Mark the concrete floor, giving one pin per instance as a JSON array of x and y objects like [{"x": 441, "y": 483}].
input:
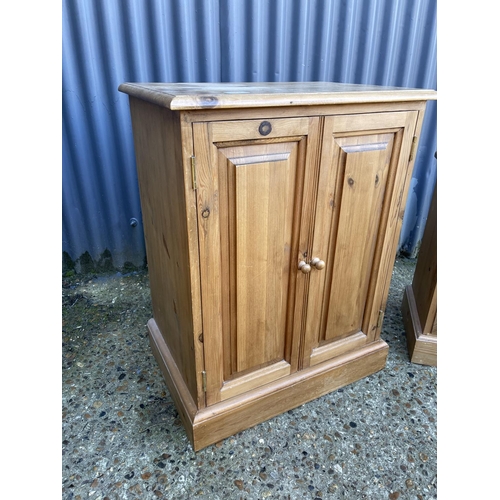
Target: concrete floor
[{"x": 122, "y": 438}]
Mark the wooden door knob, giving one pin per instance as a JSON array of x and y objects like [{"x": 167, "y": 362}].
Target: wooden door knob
[
  {"x": 318, "y": 263},
  {"x": 304, "y": 267}
]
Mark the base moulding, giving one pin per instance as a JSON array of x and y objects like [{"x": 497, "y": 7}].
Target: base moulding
[{"x": 209, "y": 425}]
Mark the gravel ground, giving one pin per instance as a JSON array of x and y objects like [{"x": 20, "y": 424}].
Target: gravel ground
[{"x": 122, "y": 437}]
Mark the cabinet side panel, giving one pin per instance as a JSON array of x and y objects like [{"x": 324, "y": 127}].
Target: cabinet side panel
[
  {"x": 425, "y": 277},
  {"x": 158, "y": 147}
]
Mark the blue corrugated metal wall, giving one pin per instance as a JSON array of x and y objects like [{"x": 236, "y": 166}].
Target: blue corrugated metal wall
[{"x": 105, "y": 43}]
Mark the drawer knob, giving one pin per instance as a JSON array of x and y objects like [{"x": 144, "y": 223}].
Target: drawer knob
[
  {"x": 318, "y": 263},
  {"x": 304, "y": 267},
  {"x": 265, "y": 128}
]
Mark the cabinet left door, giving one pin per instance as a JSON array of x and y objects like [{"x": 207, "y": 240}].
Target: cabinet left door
[{"x": 254, "y": 189}]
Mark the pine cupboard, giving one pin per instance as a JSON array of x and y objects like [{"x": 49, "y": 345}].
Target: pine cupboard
[
  {"x": 419, "y": 306},
  {"x": 271, "y": 215}
]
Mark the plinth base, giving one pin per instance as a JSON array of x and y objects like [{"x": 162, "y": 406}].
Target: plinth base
[
  {"x": 209, "y": 425},
  {"x": 422, "y": 347}
]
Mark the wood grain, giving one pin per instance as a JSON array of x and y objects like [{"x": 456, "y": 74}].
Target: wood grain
[
  {"x": 209, "y": 234},
  {"x": 207, "y": 426},
  {"x": 361, "y": 160},
  {"x": 264, "y": 189},
  {"x": 202, "y": 115},
  {"x": 419, "y": 307},
  {"x": 425, "y": 277},
  {"x": 246, "y": 130},
  {"x": 286, "y": 172},
  {"x": 253, "y": 407},
  {"x": 184, "y": 96},
  {"x": 251, "y": 191},
  {"x": 193, "y": 255},
  {"x": 422, "y": 348},
  {"x": 394, "y": 207},
  {"x": 157, "y": 139},
  {"x": 174, "y": 379}
]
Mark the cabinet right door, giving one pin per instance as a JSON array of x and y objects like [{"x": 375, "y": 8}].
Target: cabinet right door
[{"x": 362, "y": 185}]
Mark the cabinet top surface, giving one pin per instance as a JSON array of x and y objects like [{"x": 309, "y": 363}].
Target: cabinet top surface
[{"x": 188, "y": 96}]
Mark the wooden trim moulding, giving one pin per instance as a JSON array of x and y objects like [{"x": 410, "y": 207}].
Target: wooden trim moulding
[
  {"x": 421, "y": 347},
  {"x": 221, "y": 420}
]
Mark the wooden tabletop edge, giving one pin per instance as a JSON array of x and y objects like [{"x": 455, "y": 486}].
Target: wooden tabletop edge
[
  {"x": 141, "y": 92},
  {"x": 188, "y": 102},
  {"x": 193, "y": 101}
]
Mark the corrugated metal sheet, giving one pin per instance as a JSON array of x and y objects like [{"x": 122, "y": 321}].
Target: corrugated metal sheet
[{"x": 386, "y": 42}]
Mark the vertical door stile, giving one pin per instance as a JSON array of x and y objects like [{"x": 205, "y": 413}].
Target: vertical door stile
[
  {"x": 321, "y": 224},
  {"x": 210, "y": 265},
  {"x": 189, "y": 159},
  {"x": 226, "y": 220},
  {"x": 306, "y": 215}
]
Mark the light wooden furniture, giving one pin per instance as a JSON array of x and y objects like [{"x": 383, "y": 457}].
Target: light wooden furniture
[
  {"x": 419, "y": 308},
  {"x": 271, "y": 215}
]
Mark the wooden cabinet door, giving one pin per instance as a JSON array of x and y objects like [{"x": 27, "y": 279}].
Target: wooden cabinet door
[
  {"x": 254, "y": 185},
  {"x": 361, "y": 188}
]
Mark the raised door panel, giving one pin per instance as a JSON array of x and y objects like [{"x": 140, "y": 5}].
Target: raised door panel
[
  {"x": 251, "y": 208},
  {"x": 363, "y": 168}
]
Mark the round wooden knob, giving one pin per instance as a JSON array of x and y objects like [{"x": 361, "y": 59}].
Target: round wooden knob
[
  {"x": 318, "y": 263},
  {"x": 304, "y": 267}
]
